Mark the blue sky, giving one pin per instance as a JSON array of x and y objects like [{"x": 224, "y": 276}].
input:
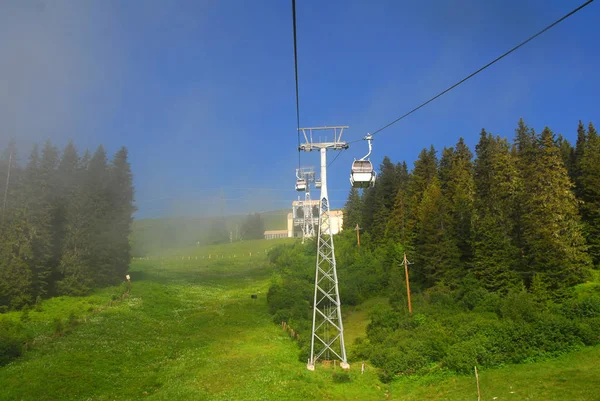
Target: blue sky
[{"x": 202, "y": 92}]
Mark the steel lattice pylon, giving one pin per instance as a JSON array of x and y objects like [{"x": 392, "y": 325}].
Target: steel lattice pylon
[
  {"x": 327, "y": 339},
  {"x": 308, "y": 226},
  {"x": 308, "y": 229},
  {"x": 328, "y": 330}
]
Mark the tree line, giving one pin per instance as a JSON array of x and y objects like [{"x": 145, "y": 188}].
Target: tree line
[
  {"x": 522, "y": 212},
  {"x": 65, "y": 222}
]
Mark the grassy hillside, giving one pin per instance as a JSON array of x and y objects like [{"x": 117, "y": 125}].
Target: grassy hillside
[
  {"x": 153, "y": 236},
  {"x": 190, "y": 331}
]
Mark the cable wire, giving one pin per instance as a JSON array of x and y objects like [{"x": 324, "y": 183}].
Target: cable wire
[
  {"x": 296, "y": 72},
  {"x": 336, "y": 156},
  {"x": 482, "y": 68}
]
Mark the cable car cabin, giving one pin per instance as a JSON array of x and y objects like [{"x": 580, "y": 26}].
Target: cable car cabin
[
  {"x": 362, "y": 175},
  {"x": 301, "y": 184},
  {"x": 318, "y": 183}
]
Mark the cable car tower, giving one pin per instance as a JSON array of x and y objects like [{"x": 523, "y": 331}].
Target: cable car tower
[
  {"x": 327, "y": 339},
  {"x": 306, "y": 176}
]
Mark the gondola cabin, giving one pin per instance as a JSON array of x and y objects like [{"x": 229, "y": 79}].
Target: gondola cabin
[
  {"x": 318, "y": 183},
  {"x": 301, "y": 184},
  {"x": 362, "y": 174}
]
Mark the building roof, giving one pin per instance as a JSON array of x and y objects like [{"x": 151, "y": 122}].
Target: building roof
[
  {"x": 271, "y": 232},
  {"x": 314, "y": 202},
  {"x": 332, "y": 213}
]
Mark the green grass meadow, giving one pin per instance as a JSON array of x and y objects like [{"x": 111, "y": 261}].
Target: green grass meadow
[{"x": 190, "y": 331}]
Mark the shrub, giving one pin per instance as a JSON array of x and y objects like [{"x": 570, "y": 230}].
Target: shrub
[
  {"x": 59, "y": 327},
  {"x": 304, "y": 354},
  {"x": 38, "y": 304},
  {"x": 25, "y": 315},
  {"x": 587, "y": 307},
  {"x": 11, "y": 344},
  {"x": 341, "y": 377},
  {"x": 462, "y": 357},
  {"x": 72, "y": 318},
  {"x": 519, "y": 306}
]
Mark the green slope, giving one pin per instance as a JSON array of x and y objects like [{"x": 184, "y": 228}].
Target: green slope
[
  {"x": 190, "y": 331},
  {"x": 153, "y": 236}
]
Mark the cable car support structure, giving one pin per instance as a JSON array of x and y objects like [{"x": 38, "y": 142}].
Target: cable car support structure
[{"x": 327, "y": 337}]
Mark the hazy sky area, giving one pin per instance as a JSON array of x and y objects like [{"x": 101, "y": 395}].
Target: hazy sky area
[{"x": 202, "y": 92}]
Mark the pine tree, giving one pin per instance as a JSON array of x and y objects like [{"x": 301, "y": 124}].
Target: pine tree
[
  {"x": 9, "y": 168},
  {"x": 436, "y": 254},
  {"x": 525, "y": 139},
  {"x": 555, "y": 246},
  {"x": 218, "y": 231},
  {"x": 50, "y": 189},
  {"x": 75, "y": 270},
  {"x": 369, "y": 206},
  {"x": 352, "y": 210},
  {"x": 445, "y": 167},
  {"x": 397, "y": 285},
  {"x": 121, "y": 210},
  {"x": 16, "y": 278},
  {"x": 253, "y": 227},
  {"x": 424, "y": 171},
  {"x": 496, "y": 179},
  {"x": 96, "y": 188},
  {"x": 580, "y": 146},
  {"x": 384, "y": 197},
  {"x": 589, "y": 190},
  {"x": 397, "y": 226},
  {"x": 525, "y": 152},
  {"x": 37, "y": 183},
  {"x": 458, "y": 188},
  {"x": 567, "y": 153}
]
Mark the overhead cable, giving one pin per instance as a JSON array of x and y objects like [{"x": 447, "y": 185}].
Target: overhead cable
[{"x": 481, "y": 69}]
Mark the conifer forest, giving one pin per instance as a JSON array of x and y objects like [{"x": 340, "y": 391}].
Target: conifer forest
[{"x": 65, "y": 224}]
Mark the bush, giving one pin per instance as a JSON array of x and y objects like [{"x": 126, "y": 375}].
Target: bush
[
  {"x": 11, "y": 344},
  {"x": 587, "y": 307},
  {"x": 464, "y": 356},
  {"x": 59, "y": 327},
  {"x": 38, "y": 304},
  {"x": 72, "y": 318},
  {"x": 304, "y": 354},
  {"x": 25, "y": 315},
  {"x": 406, "y": 359},
  {"x": 519, "y": 306},
  {"x": 341, "y": 377}
]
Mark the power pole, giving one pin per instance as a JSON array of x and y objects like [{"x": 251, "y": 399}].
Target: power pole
[
  {"x": 357, "y": 235},
  {"x": 6, "y": 187},
  {"x": 327, "y": 338},
  {"x": 407, "y": 284}
]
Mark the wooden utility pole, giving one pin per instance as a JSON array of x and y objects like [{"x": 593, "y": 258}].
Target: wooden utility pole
[
  {"x": 477, "y": 379},
  {"x": 357, "y": 234},
  {"x": 407, "y": 284}
]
